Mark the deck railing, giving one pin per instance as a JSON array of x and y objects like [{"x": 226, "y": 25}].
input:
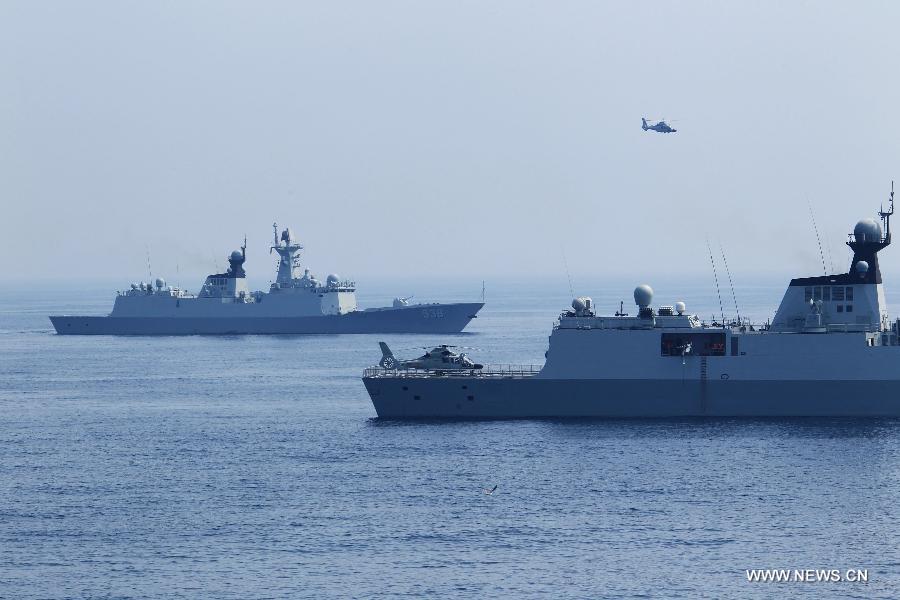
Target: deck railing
[{"x": 489, "y": 371}]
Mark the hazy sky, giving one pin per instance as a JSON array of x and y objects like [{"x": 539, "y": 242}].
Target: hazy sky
[{"x": 476, "y": 139}]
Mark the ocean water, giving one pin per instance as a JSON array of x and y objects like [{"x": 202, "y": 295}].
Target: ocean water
[{"x": 254, "y": 467}]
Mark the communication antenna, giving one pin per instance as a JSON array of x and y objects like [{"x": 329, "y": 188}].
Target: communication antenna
[
  {"x": 568, "y": 276},
  {"x": 886, "y": 216},
  {"x": 482, "y": 291},
  {"x": 731, "y": 283},
  {"x": 828, "y": 251},
  {"x": 818, "y": 239},
  {"x": 716, "y": 278},
  {"x": 149, "y": 270}
]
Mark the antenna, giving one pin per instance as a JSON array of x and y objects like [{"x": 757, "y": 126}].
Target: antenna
[
  {"x": 482, "y": 291},
  {"x": 886, "y": 216},
  {"x": 149, "y": 270},
  {"x": 569, "y": 277},
  {"x": 730, "y": 282},
  {"x": 716, "y": 277},
  {"x": 816, "y": 229},
  {"x": 828, "y": 251}
]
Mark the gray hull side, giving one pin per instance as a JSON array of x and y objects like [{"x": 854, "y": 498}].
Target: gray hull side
[
  {"x": 477, "y": 398},
  {"x": 410, "y": 319}
]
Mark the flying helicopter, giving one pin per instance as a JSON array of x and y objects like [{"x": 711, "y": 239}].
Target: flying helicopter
[
  {"x": 439, "y": 358},
  {"x": 660, "y": 127}
]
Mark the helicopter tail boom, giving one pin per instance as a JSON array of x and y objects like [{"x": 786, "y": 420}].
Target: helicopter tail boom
[{"x": 387, "y": 357}]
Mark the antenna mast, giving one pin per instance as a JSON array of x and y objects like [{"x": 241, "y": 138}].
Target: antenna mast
[
  {"x": 149, "y": 270},
  {"x": 569, "y": 277},
  {"x": 731, "y": 283},
  {"x": 886, "y": 216},
  {"x": 716, "y": 278},
  {"x": 816, "y": 229}
]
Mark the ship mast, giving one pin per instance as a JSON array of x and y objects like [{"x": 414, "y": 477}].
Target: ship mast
[
  {"x": 289, "y": 251},
  {"x": 886, "y": 216}
]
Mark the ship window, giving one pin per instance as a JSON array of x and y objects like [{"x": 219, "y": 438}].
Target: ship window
[
  {"x": 849, "y": 308},
  {"x": 840, "y": 308},
  {"x": 837, "y": 294},
  {"x": 693, "y": 344},
  {"x": 850, "y": 293},
  {"x": 817, "y": 293},
  {"x": 826, "y": 293},
  {"x": 807, "y": 294}
]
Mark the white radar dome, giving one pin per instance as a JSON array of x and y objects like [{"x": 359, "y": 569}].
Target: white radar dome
[
  {"x": 643, "y": 295},
  {"x": 862, "y": 267},
  {"x": 867, "y": 230},
  {"x": 332, "y": 279},
  {"x": 578, "y": 304},
  {"x": 160, "y": 283},
  {"x": 680, "y": 307},
  {"x": 134, "y": 286}
]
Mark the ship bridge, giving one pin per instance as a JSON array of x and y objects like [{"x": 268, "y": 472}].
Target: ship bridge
[{"x": 851, "y": 301}]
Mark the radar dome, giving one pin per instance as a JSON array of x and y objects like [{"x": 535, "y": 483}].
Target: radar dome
[
  {"x": 578, "y": 304},
  {"x": 160, "y": 283},
  {"x": 680, "y": 307},
  {"x": 643, "y": 295},
  {"x": 867, "y": 230},
  {"x": 237, "y": 255},
  {"x": 862, "y": 267},
  {"x": 332, "y": 279}
]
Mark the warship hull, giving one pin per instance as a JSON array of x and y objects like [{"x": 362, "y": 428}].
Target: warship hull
[
  {"x": 451, "y": 397},
  {"x": 410, "y": 319}
]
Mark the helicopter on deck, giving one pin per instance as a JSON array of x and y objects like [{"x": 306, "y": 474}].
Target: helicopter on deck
[
  {"x": 660, "y": 126},
  {"x": 439, "y": 358}
]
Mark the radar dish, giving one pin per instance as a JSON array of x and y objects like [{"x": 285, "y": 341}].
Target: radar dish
[
  {"x": 160, "y": 283},
  {"x": 237, "y": 255},
  {"x": 680, "y": 307},
  {"x": 332, "y": 279},
  {"x": 862, "y": 267},
  {"x": 867, "y": 230},
  {"x": 643, "y": 295}
]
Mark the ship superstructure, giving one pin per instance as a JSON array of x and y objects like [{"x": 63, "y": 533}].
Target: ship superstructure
[
  {"x": 293, "y": 304},
  {"x": 831, "y": 350}
]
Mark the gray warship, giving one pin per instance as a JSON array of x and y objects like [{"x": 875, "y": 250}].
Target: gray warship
[
  {"x": 830, "y": 351},
  {"x": 294, "y": 304}
]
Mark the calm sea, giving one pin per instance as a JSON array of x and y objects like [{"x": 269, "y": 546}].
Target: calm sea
[{"x": 254, "y": 467}]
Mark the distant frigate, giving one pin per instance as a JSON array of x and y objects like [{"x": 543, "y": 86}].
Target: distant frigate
[
  {"x": 830, "y": 351},
  {"x": 293, "y": 305}
]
